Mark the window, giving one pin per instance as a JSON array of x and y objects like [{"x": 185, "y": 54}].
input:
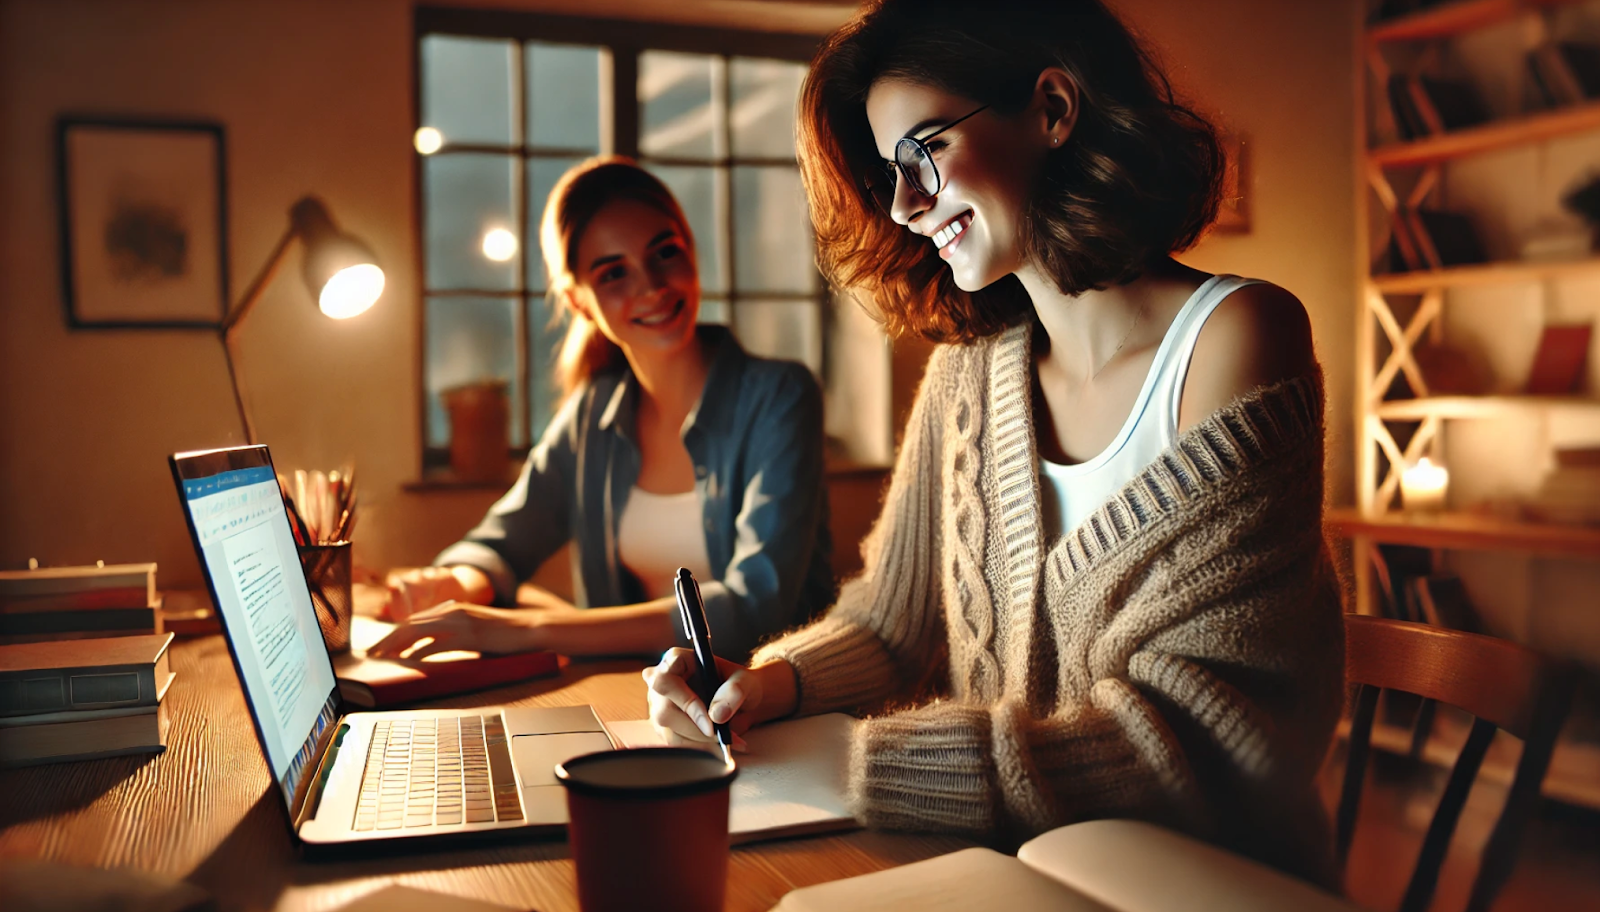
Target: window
[{"x": 508, "y": 101}]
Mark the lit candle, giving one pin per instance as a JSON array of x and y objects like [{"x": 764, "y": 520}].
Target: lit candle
[{"x": 1423, "y": 485}]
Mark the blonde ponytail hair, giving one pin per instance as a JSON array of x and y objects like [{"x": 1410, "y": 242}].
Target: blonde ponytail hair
[{"x": 574, "y": 200}]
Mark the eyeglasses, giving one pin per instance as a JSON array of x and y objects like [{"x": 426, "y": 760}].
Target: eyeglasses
[{"x": 913, "y": 159}]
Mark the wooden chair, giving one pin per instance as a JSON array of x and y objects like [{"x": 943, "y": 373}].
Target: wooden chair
[{"x": 1503, "y": 685}]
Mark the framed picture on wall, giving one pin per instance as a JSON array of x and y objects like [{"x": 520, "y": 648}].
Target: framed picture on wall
[{"x": 144, "y": 227}]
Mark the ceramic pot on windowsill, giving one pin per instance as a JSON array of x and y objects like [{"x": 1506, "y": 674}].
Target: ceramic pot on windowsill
[{"x": 480, "y": 445}]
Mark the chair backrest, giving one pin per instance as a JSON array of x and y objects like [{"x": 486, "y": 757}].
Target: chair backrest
[{"x": 1503, "y": 685}]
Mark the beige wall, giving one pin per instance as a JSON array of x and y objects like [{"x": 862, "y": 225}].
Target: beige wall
[{"x": 316, "y": 97}]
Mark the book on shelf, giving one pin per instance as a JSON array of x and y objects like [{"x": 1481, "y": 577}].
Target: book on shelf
[
  {"x": 73, "y": 675},
  {"x": 1408, "y": 121},
  {"x": 1561, "y": 361},
  {"x": 58, "y": 737},
  {"x": 1564, "y": 73},
  {"x": 78, "y": 588}
]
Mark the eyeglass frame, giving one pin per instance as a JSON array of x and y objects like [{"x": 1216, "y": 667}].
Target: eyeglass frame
[{"x": 920, "y": 145}]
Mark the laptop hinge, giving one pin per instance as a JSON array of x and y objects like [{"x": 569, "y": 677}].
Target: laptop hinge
[{"x": 308, "y": 794}]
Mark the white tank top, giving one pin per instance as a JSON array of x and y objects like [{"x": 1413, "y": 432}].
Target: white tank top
[
  {"x": 1072, "y": 492},
  {"x": 659, "y": 533}
]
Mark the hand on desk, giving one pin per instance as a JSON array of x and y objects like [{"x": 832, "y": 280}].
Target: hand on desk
[
  {"x": 416, "y": 589},
  {"x": 748, "y": 696},
  {"x": 459, "y": 625}
]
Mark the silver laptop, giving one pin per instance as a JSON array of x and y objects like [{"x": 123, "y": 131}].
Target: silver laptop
[{"x": 360, "y": 776}]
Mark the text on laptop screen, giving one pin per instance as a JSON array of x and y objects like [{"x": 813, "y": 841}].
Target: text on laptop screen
[{"x": 261, "y": 591}]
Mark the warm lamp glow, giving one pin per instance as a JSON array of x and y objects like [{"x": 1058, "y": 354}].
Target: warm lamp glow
[
  {"x": 351, "y": 291},
  {"x": 499, "y": 244},
  {"x": 428, "y": 140}
]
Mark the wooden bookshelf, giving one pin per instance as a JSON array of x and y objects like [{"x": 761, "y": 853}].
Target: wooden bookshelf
[
  {"x": 1474, "y": 406},
  {"x": 1573, "y": 776},
  {"x": 1497, "y": 134},
  {"x": 1483, "y": 274},
  {"x": 1467, "y": 532},
  {"x": 1448, "y": 19}
]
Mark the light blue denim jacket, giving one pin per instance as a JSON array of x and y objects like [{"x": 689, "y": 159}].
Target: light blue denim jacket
[{"x": 756, "y": 442}]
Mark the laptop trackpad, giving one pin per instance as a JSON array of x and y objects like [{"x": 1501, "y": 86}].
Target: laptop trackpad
[
  {"x": 536, "y": 756},
  {"x": 550, "y": 720}
]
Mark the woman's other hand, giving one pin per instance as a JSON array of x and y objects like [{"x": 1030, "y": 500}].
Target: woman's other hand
[
  {"x": 747, "y": 697},
  {"x": 457, "y": 625},
  {"x": 417, "y": 589}
]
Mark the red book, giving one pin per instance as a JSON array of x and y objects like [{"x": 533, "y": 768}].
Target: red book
[{"x": 380, "y": 684}]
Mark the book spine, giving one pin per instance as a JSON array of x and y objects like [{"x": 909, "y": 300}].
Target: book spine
[
  {"x": 88, "y": 600},
  {"x": 122, "y": 620},
  {"x": 24, "y": 693}
]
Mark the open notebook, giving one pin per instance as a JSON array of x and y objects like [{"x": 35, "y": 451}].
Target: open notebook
[
  {"x": 791, "y": 782},
  {"x": 1096, "y": 866}
]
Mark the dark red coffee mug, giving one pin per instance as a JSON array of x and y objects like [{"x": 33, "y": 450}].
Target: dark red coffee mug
[{"x": 649, "y": 828}]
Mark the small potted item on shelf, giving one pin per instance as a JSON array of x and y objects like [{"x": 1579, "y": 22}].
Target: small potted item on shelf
[{"x": 1423, "y": 487}]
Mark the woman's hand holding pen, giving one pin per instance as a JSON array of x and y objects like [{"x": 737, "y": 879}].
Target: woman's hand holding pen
[{"x": 748, "y": 696}]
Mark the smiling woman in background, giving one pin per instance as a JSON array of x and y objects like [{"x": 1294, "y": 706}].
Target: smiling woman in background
[
  {"x": 673, "y": 448},
  {"x": 1098, "y": 587}
]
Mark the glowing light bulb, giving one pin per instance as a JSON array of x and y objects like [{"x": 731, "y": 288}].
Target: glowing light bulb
[
  {"x": 351, "y": 291},
  {"x": 499, "y": 244},
  {"x": 428, "y": 140}
]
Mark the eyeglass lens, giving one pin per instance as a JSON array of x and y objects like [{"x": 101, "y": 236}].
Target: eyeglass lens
[{"x": 917, "y": 166}]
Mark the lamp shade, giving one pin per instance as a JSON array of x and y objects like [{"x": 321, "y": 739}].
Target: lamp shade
[{"x": 341, "y": 272}]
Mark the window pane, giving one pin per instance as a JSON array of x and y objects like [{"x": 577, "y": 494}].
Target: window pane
[
  {"x": 677, "y": 113},
  {"x": 542, "y": 175},
  {"x": 563, "y": 96},
  {"x": 466, "y": 89},
  {"x": 468, "y": 196},
  {"x": 698, "y": 191},
  {"x": 470, "y": 339},
  {"x": 544, "y": 341},
  {"x": 772, "y": 233},
  {"x": 762, "y": 97},
  {"x": 781, "y": 329},
  {"x": 713, "y": 310}
]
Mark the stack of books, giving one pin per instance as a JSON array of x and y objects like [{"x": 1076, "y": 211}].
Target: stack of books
[
  {"x": 60, "y": 603},
  {"x": 83, "y": 698}
]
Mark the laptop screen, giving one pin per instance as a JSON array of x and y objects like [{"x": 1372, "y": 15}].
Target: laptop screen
[{"x": 240, "y": 525}]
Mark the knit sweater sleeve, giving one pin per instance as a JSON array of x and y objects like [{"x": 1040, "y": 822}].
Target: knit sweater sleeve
[
  {"x": 883, "y": 639},
  {"x": 1198, "y": 663}
]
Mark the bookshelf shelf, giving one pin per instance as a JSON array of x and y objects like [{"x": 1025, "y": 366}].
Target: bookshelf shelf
[
  {"x": 1488, "y": 137},
  {"x": 1474, "y": 406},
  {"x": 1467, "y": 532},
  {"x": 1448, "y": 19},
  {"x": 1483, "y": 274}
]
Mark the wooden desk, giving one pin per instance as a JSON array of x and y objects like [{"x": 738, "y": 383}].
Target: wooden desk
[{"x": 205, "y": 811}]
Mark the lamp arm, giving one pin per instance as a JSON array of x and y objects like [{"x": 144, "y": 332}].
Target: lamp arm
[{"x": 230, "y": 326}]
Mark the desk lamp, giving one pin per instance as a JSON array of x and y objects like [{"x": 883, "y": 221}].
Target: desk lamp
[{"x": 340, "y": 270}]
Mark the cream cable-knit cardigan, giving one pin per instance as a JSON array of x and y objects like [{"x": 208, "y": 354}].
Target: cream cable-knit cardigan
[{"x": 1177, "y": 658}]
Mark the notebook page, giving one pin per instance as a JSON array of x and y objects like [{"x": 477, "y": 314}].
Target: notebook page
[{"x": 791, "y": 782}]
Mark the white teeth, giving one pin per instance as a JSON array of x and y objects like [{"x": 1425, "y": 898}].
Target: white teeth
[{"x": 948, "y": 233}]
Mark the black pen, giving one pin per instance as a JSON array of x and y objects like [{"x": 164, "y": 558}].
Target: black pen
[{"x": 692, "y": 612}]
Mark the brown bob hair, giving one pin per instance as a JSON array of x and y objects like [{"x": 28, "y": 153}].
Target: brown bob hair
[
  {"x": 574, "y": 201},
  {"x": 1139, "y": 177}
]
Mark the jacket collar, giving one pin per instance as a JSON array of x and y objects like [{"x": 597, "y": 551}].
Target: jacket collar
[{"x": 714, "y": 411}]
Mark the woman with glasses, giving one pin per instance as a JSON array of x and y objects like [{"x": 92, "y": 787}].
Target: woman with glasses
[
  {"x": 674, "y": 448},
  {"x": 1098, "y": 586}
]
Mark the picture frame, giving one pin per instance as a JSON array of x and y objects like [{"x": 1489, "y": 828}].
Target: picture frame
[{"x": 144, "y": 223}]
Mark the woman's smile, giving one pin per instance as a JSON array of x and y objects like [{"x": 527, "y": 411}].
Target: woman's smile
[{"x": 947, "y": 237}]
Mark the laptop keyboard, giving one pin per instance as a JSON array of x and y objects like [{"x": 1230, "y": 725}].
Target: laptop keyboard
[{"x": 446, "y": 770}]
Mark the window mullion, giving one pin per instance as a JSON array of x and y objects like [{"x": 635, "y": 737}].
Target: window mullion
[
  {"x": 722, "y": 150},
  {"x": 619, "y": 101}
]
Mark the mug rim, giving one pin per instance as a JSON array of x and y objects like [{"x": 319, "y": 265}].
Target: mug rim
[{"x": 722, "y": 780}]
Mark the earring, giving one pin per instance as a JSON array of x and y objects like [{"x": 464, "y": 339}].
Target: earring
[{"x": 1055, "y": 140}]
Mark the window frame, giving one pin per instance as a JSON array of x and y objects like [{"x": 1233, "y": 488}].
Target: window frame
[{"x": 621, "y": 41}]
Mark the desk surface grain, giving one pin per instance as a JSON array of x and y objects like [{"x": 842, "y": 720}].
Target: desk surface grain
[{"x": 206, "y": 811}]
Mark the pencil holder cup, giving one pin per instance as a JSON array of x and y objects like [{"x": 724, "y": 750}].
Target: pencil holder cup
[
  {"x": 327, "y": 568},
  {"x": 649, "y": 828}
]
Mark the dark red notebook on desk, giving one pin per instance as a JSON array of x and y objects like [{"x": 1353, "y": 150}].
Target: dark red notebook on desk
[{"x": 382, "y": 684}]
